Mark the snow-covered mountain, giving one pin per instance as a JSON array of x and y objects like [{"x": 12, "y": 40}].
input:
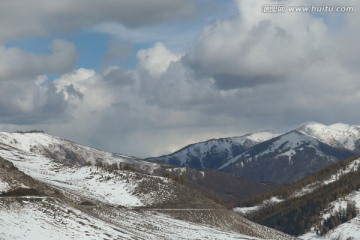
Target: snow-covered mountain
[
  {"x": 338, "y": 135},
  {"x": 281, "y": 155},
  {"x": 284, "y": 159},
  {"x": 210, "y": 154},
  {"x": 55, "y": 188},
  {"x": 216, "y": 152}
]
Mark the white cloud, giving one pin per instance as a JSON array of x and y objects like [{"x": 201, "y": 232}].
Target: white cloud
[
  {"x": 26, "y": 96},
  {"x": 256, "y": 48},
  {"x": 78, "y": 80},
  {"x": 31, "y": 102},
  {"x": 17, "y": 64},
  {"x": 157, "y": 59}
]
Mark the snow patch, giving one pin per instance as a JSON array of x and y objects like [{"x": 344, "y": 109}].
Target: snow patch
[
  {"x": 4, "y": 186},
  {"x": 353, "y": 166},
  {"x": 247, "y": 210}
]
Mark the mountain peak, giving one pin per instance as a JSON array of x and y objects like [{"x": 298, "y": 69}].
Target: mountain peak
[
  {"x": 279, "y": 155},
  {"x": 338, "y": 135}
]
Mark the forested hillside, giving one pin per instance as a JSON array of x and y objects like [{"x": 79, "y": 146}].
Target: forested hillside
[{"x": 303, "y": 202}]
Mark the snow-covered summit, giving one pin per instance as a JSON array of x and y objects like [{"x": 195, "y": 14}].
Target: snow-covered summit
[
  {"x": 336, "y": 135},
  {"x": 284, "y": 145},
  {"x": 214, "y": 153},
  {"x": 266, "y": 135},
  {"x": 297, "y": 151},
  {"x": 65, "y": 151}
]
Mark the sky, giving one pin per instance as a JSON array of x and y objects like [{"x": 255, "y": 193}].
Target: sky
[{"x": 145, "y": 78}]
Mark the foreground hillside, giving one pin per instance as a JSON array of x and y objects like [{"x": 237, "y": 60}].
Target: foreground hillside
[
  {"x": 53, "y": 187},
  {"x": 324, "y": 205},
  {"x": 281, "y": 156}
]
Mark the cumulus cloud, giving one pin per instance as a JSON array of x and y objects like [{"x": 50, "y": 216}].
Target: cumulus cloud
[
  {"x": 157, "y": 59},
  {"x": 256, "y": 48},
  {"x": 26, "y": 95},
  {"x": 17, "y": 64},
  {"x": 31, "y": 102}
]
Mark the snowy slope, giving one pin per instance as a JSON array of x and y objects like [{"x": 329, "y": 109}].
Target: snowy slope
[
  {"x": 51, "y": 219},
  {"x": 123, "y": 204},
  {"x": 337, "y": 135},
  {"x": 285, "y": 145},
  {"x": 4, "y": 186},
  {"x": 90, "y": 182},
  {"x": 284, "y": 159},
  {"x": 209, "y": 154},
  {"x": 76, "y": 172},
  {"x": 296, "y": 151},
  {"x": 263, "y": 136},
  {"x": 64, "y": 151},
  {"x": 352, "y": 166},
  {"x": 328, "y": 191},
  {"x": 216, "y": 152},
  {"x": 87, "y": 181},
  {"x": 347, "y": 230}
]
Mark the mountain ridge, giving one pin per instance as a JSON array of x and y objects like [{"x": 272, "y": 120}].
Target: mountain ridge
[{"x": 333, "y": 142}]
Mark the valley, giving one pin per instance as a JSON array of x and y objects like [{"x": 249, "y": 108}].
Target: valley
[{"x": 278, "y": 184}]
